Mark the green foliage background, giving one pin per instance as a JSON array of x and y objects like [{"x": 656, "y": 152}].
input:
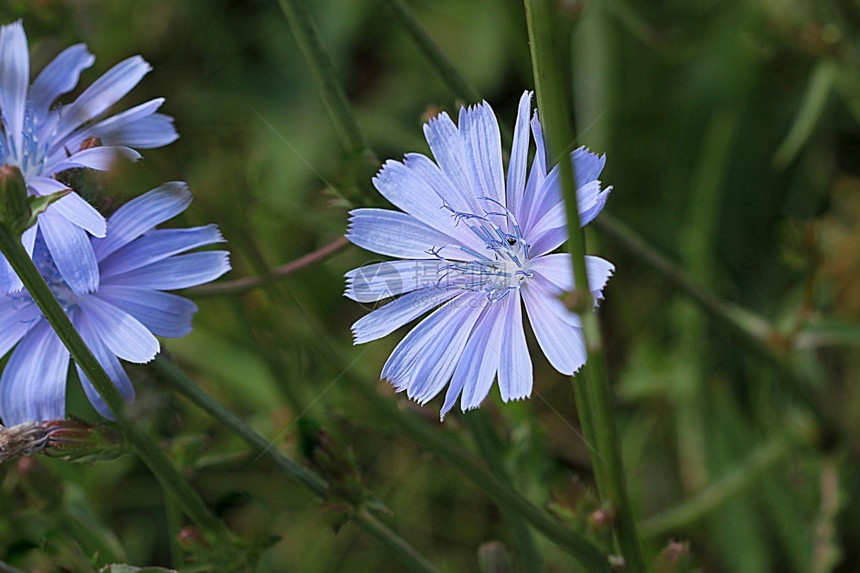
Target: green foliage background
[{"x": 731, "y": 135}]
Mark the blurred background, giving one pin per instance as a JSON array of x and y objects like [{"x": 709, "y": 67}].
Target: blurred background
[{"x": 732, "y": 143}]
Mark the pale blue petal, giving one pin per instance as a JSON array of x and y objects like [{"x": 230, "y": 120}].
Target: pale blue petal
[
  {"x": 558, "y": 331},
  {"x": 164, "y": 314},
  {"x": 536, "y": 177},
  {"x": 33, "y": 385},
  {"x": 393, "y": 233},
  {"x": 17, "y": 316},
  {"x": 181, "y": 271},
  {"x": 515, "y": 366},
  {"x": 519, "y": 154},
  {"x": 447, "y": 147},
  {"x": 99, "y": 158},
  {"x": 71, "y": 250},
  {"x": 412, "y": 194},
  {"x": 155, "y": 246},
  {"x": 78, "y": 212},
  {"x": 479, "y": 363},
  {"x": 551, "y": 230},
  {"x": 454, "y": 196},
  {"x": 391, "y": 278},
  {"x": 58, "y": 77},
  {"x": 139, "y": 127},
  {"x": 452, "y": 317},
  {"x": 482, "y": 144},
  {"x": 91, "y": 335},
  {"x": 45, "y": 185},
  {"x": 123, "y": 334},
  {"x": 391, "y": 316},
  {"x": 142, "y": 214},
  {"x": 103, "y": 93},
  {"x": 437, "y": 363},
  {"x": 14, "y": 79},
  {"x": 9, "y": 281},
  {"x": 547, "y": 198},
  {"x": 557, "y": 269}
]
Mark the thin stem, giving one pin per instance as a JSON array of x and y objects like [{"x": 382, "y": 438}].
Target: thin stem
[
  {"x": 717, "y": 493},
  {"x": 170, "y": 478},
  {"x": 555, "y": 115},
  {"x": 333, "y": 97},
  {"x": 243, "y": 285},
  {"x": 180, "y": 382},
  {"x": 428, "y": 47}
]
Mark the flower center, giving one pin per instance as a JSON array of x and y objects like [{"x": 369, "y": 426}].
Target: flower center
[{"x": 498, "y": 270}]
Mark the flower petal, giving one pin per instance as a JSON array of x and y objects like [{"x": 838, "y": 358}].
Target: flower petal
[
  {"x": 515, "y": 366},
  {"x": 123, "y": 334},
  {"x": 483, "y": 146},
  {"x": 437, "y": 363},
  {"x": 138, "y": 127},
  {"x": 78, "y": 212},
  {"x": 393, "y": 233},
  {"x": 450, "y": 321},
  {"x": 17, "y": 317},
  {"x": 71, "y": 250},
  {"x": 391, "y": 316},
  {"x": 558, "y": 331},
  {"x": 103, "y": 93},
  {"x": 412, "y": 194},
  {"x": 142, "y": 214},
  {"x": 14, "y": 79},
  {"x": 181, "y": 271},
  {"x": 155, "y": 246},
  {"x": 33, "y": 385},
  {"x": 447, "y": 147},
  {"x": 391, "y": 278},
  {"x": 162, "y": 313},
  {"x": 519, "y": 154},
  {"x": 91, "y": 335},
  {"x": 558, "y": 270},
  {"x": 480, "y": 361},
  {"x": 58, "y": 77},
  {"x": 98, "y": 158}
]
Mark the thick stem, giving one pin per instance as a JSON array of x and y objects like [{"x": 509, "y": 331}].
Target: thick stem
[{"x": 555, "y": 116}]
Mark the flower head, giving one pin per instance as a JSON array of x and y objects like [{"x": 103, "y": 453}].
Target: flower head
[
  {"x": 120, "y": 318},
  {"x": 42, "y": 140},
  {"x": 477, "y": 245}
]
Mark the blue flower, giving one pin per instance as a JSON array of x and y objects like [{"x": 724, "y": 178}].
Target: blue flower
[
  {"x": 474, "y": 244},
  {"x": 42, "y": 141},
  {"x": 120, "y": 318}
]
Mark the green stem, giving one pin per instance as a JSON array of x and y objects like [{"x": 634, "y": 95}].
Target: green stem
[
  {"x": 180, "y": 382},
  {"x": 449, "y": 74},
  {"x": 717, "y": 493},
  {"x": 170, "y": 478},
  {"x": 555, "y": 116},
  {"x": 488, "y": 448},
  {"x": 333, "y": 97}
]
